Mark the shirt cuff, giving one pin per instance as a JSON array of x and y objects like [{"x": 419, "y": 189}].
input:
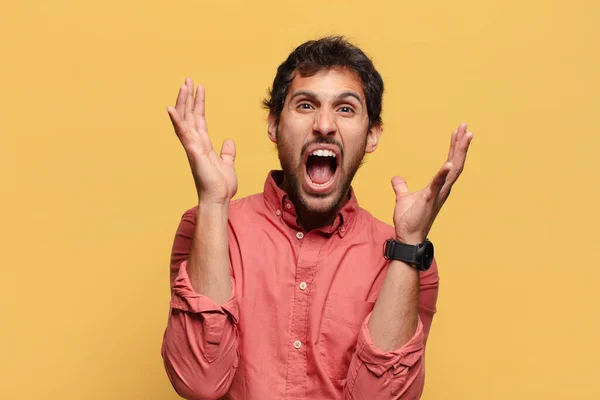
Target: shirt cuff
[
  {"x": 379, "y": 361},
  {"x": 186, "y": 299}
]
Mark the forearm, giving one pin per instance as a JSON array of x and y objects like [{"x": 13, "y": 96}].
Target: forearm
[
  {"x": 395, "y": 315},
  {"x": 208, "y": 262}
]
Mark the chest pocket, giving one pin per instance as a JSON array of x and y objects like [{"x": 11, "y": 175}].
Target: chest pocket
[{"x": 341, "y": 323}]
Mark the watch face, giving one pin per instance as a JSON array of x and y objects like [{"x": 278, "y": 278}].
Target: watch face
[{"x": 427, "y": 255}]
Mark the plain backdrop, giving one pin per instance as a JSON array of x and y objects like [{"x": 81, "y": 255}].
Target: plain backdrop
[{"x": 93, "y": 181}]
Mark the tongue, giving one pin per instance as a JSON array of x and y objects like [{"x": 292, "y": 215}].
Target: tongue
[{"x": 319, "y": 169}]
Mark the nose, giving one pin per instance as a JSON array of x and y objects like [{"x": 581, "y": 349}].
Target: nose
[{"x": 324, "y": 123}]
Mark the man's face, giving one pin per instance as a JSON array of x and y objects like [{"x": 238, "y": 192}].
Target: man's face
[{"x": 322, "y": 136}]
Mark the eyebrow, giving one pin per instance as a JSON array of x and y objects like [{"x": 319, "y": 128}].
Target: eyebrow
[
  {"x": 313, "y": 95},
  {"x": 349, "y": 93}
]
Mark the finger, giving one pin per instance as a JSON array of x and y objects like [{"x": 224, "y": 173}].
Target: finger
[
  {"x": 460, "y": 154},
  {"x": 459, "y": 151},
  {"x": 400, "y": 186},
  {"x": 178, "y": 124},
  {"x": 458, "y": 132},
  {"x": 452, "y": 144},
  {"x": 462, "y": 130},
  {"x": 459, "y": 160},
  {"x": 175, "y": 118},
  {"x": 199, "y": 109},
  {"x": 189, "y": 111},
  {"x": 438, "y": 181},
  {"x": 180, "y": 103},
  {"x": 228, "y": 152}
]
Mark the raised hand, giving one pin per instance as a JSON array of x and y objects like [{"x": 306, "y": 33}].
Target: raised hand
[
  {"x": 415, "y": 211},
  {"x": 214, "y": 175}
]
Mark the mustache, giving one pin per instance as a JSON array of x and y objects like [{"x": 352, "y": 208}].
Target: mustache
[{"x": 321, "y": 140}]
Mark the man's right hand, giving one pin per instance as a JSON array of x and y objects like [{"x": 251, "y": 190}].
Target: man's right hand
[{"x": 214, "y": 175}]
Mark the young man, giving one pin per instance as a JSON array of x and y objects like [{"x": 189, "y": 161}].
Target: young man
[{"x": 288, "y": 294}]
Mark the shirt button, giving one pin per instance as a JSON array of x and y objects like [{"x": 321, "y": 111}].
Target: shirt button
[
  {"x": 343, "y": 228},
  {"x": 299, "y": 235},
  {"x": 303, "y": 285},
  {"x": 288, "y": 205},
  {"x": 278, "y": 212},
  {"x": 297, "y": 344}
]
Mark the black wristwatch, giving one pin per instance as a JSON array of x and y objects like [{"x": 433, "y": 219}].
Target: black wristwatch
[{"x": 419, "y": 256}]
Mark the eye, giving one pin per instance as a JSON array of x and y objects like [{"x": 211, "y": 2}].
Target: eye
[
  {"x": 304, "y": 106},
  {"x": 346, "y": 110}
]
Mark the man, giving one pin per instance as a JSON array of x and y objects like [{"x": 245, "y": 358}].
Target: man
[{"x": 287, "y": 294}]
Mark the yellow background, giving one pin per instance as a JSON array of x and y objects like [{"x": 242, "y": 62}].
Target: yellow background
[{"x": 93, "y": 179}]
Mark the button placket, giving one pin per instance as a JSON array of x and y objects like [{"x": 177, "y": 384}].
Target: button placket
[{"x": 309, "y": 250}]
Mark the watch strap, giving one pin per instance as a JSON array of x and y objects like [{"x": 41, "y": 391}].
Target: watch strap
[{"x": 400, "y": 251}]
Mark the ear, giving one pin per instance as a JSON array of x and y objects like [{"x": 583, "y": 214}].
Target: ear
[
  {"x": 272, "y": 127},
  {"x": 373, "y": 136}
]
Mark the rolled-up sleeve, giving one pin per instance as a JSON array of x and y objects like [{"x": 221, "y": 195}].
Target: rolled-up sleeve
[
  {"x": 398, "y": 374},
  {"x": 375, "y": 374},
  {"x": 200, "y": 343}
]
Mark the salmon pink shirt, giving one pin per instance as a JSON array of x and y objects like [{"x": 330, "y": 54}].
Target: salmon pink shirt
[{"x": 296, "y": 325}]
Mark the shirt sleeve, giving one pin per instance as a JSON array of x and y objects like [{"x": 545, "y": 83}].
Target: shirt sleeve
[
  {"x": 398, "y": 374},
  {"x": 200, "y": 343}
]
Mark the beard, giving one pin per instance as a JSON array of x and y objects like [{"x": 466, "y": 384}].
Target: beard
[{"x": 293, "y": 174}]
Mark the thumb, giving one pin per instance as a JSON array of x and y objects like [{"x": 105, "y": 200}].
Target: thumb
[
  {"x": 228, "y": 152},
  {"x": 400, "y": 186}
]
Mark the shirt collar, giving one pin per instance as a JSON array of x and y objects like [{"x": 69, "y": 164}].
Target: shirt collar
[{"x": 279, "y": 201}]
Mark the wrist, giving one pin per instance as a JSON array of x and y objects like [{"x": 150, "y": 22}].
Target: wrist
[
  {"x": 419, "y": 255},
  {"x": 210, "y": 211},
  {"x": 213, "y": 201},
  {"x": 413, "y": 240}
]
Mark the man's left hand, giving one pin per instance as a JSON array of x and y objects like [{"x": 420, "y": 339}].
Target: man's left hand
[{"x": 415, "y": 211}]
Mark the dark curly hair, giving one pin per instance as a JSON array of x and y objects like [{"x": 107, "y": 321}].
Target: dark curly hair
[{"x": 325, "y": 53}]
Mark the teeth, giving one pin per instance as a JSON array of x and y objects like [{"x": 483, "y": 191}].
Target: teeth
[{"x": 323, "y": 153}]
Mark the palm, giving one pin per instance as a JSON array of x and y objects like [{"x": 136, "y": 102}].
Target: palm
[
  {"x": 408, "y": 216},
  {"x": 214, "y": 175},
  {"x": 415, "y": 212}
]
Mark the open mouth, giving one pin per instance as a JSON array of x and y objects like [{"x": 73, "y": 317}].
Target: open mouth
[{"x": 321, "y": 168}]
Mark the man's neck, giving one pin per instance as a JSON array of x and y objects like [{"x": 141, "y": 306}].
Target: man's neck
[{"x": 310, "y": 220}]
